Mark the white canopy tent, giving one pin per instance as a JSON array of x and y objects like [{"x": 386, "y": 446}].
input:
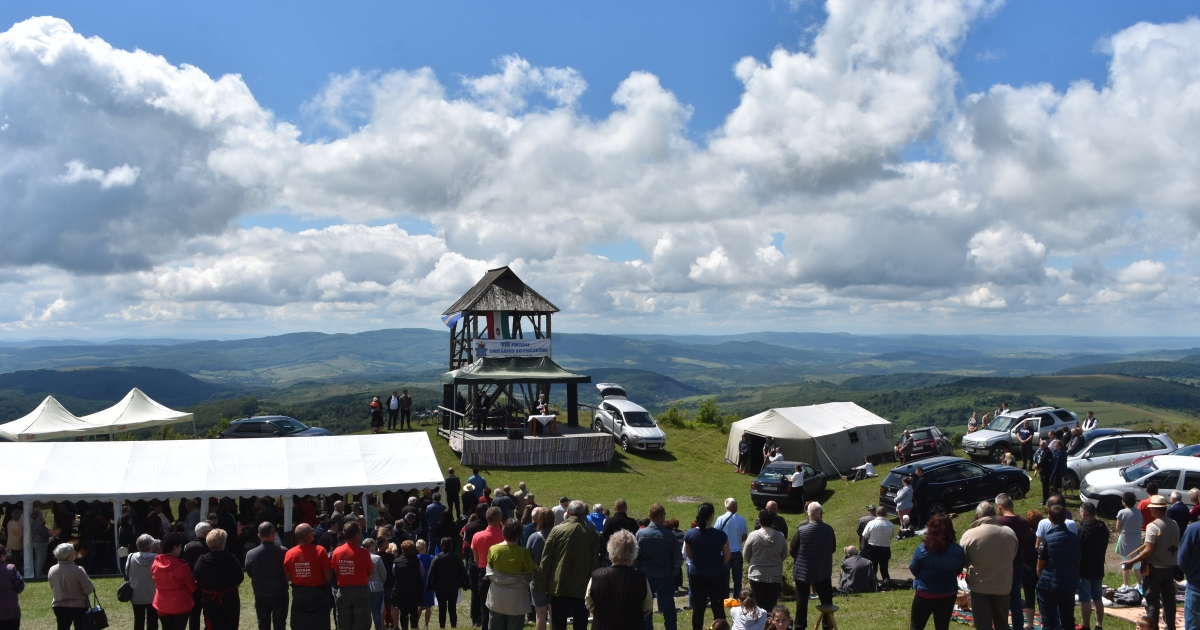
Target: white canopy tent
[
  {"x": 49, "y": 421},
  {"x": 136, "y": 411},
  {"x": 117, "y": 471},
  {"x": 831, "y": 437}
]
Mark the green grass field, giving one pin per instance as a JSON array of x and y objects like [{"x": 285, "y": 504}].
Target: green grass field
[{"x": 693, "y": 470}]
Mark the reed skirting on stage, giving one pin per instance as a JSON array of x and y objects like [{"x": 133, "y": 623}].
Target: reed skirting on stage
[{"x": 542, "y": 451}]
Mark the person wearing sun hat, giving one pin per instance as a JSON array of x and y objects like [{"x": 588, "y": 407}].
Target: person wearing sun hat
[{"x": 1159, "y": 552}]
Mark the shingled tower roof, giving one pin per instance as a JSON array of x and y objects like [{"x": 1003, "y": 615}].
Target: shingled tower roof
[{"x": 501, "y": 290}]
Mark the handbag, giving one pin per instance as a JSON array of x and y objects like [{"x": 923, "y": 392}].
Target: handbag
[
  {"x": 95, "y": 618},
  {"x": 125, "y": 592}
]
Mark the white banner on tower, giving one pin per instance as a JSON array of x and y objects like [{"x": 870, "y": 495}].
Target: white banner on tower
[{"x": 500, "y": 348}]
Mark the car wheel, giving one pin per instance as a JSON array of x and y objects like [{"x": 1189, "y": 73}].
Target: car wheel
[
  {"x": 599, "y": 425},
  {"x": 1016, "y": 492},
  {"x": 1109, "y": 506},
  {"x": 937, "y": 507},
  {"x": 998, "y": 452},
  {"x": 625, "y": 443},
  {"x": 1070, "y": 481}
]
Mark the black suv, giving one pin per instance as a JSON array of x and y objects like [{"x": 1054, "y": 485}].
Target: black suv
[
  {"x": 271, "y": 426},
  {"x": 956, "y": 484}
]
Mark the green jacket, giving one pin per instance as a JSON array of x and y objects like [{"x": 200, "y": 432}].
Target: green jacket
[{"x": 571, "y": 554}]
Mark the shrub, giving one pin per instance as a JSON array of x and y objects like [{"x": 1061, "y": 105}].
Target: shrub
[{"x": 676, "y": 417}]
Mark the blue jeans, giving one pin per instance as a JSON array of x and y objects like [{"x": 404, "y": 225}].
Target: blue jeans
[
  {"x": 1014, "y": 598},
  {"x": 1058, "y": 610},
  {"x": 1191, "y": 609},
  {"x": 663, "y": 589},
  {"x": 735, "y": 568},
  {"x": 377, "y": 609}
]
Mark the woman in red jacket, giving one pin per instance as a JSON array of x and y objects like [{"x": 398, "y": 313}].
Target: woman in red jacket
[{"x": 173, "y": 585}]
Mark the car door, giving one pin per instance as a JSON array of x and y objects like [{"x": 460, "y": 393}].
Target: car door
[
  {"x": 812, "y": 481},
  {"x": 977, "y": 484},
  {"x": 606, "y": 411},
  {"x": 1128, "y": 449},
  {"x": 1100, "y": 455},
  {"x": 949, "y": 485},
  {"x": 1167, "y": 480},
  {"x": 1191, "y": 479},
  {"x": 1046, "y": 424},
  {"x": 249, "y": 430}
]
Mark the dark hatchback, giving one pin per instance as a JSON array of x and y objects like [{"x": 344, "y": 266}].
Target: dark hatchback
[
  {"x": 772, "y": 484},
  {"x": 956, "y": 484},
  {"x": 271, "y": 426}
]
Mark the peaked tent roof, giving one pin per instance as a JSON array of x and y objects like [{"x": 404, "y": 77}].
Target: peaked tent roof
[
  {"x": 513, "y": 370},
  {"x": 501, "y": 290},
  {"x": 50, "y": 420},
  {"x": 818, "y": 434},
  {"x": 135, "y": 411}
]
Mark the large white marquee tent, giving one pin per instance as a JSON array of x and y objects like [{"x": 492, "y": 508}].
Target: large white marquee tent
[{"x": 119, "y": 471}]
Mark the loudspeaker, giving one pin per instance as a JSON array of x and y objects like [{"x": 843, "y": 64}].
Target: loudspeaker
[{"x": 516, "y": 433}]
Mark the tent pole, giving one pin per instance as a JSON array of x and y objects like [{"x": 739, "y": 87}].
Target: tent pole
[
  {"x": 27, "y": 536},
  {"x": 194, "y": 434},
  {"x": 287, "y": 512}
]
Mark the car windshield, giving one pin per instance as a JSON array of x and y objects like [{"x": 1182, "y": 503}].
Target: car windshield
[
  {"x": 1004, "y": 424},
  {"x": 776, "y": 473},
  {"x": 638, "y": 419},
  {"x": 1188, "y": 451},
  {"x": 1133, "y": 473},
  {"x": 288, "y": 425}
]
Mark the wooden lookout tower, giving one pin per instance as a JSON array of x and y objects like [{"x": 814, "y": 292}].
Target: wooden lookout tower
[{"x": 498, "y": 307}]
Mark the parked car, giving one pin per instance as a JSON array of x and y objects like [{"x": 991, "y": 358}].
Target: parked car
[
  {"x": 1114, "y": 450},
  {"x": 1103, "y": 488},
  {"x": 1001, "y": 435},
  {"x": 1089, "y": 436},
  {"x": 1183, "y": 451},
  {"x": 930, "y": 442},
  {"x": 773, "y": 484},
  {"x": 271, "y": 426},
  {"x": 957, "y": 484},
  {"x": 628, "y": 422}
]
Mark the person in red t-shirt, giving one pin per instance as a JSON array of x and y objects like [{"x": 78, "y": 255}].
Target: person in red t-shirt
[
  {"x": 353, "y": 566},
  {"x": 481, "y": 543},
  {"x": 1143, "y": 506},
  {"x": 307, "y": 567}
]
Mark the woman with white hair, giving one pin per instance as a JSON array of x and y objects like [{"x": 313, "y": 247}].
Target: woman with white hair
[
  {"x": 137, "y": 572},
  {"x": 619, "y": 595},
  {"x": 71, "y": 587}
]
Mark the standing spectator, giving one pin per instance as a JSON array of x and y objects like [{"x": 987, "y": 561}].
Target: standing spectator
[
  {"x": 858, "y": 573},
  {"x": 935, "y": 566},
  {"x": 1058, "y": 573},
  {"x": 1090, "y": 422},
  {"x": 1178, "y": 511},
  {"x": 510, "y": 572},
  {"x": 505, "y": 503},
  {"x": 191, "y": 553},
  {"x": 481, "y": 544},
  {"x": 310, "y": 572},
  {"x": 1143, "y": 506},
  {"x": 476, "y": 524},
  {"x": 988, "y": 550},
  {"x": 1160, "y": 551},
  {"x": 1025, "y": 541},
  {"x": 11, "y": 585},
  {"x": 353, "y": 567},
  {"x": 596, "y": 519},
  {"x": 478, "y": 482},
  {"x": 904, "y": 499},
  {"x": 812, "y": 557},
  {"x": 521, "y": 496},
  {"x": 1029, "y": 575},
  {"x": 376, "y": 582},
  {"x": 39, "y": 537},
  {"x": 973, "y": 422},
  {"x": 768, "y": 450},
  {"x": 707, "y": 550},
  {"x": 137, "y": 572},
  {"x": 408, "y": 590},
  {"x": 1093, "y": 543},
  {"x": 173, "y": 585},
  {"x": 863, "y": 521},
  {"x": 445, "y": 578},
  {"x": 1043, "y": 459},
  {"x": 780, "y": 524},
  {"x": 570, "y": 556},
  {"x": 70, "y": 586},
  {"x": 406, "y": 409},
  {"x": 878, "y": 534},
  {"x": 905, "y": 447},
  {"x": 1075, "y": 444},
  {"x": 619, "y": 595},
  {"x": 618, "y": 521},
  {"x": 426, "y": 561},
  {"x": 1060, "y": 465},
  {"x": 920, "y": 498},
  {"x": 376, "y": 415},
  {"x": 453, "y": 486},
  {"x": 659, "y": 558},
  {"x": 542, "y": 521},
  {"x": 743, "y": 454},
  {"x": 191, "y": 518},
  {"x": 764, "y": 551},
  {"x": 1189, "y": 562},
  {"x": 734, "y": 526},
  {"x": 1025, "y": 435},
  {"x": 560, "y": 511},
  {"x": 218, "y": 575},
  {"x": 264, "y": 565},
  {"x": 393, "y": 406},
  {"x": 16, "y": 538}
]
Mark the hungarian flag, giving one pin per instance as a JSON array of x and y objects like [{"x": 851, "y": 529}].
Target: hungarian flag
[{"x": 497, "y": 325}]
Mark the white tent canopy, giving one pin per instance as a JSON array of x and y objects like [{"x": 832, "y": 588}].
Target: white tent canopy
[
  {"x": 49, "y": 421},
  {"x": 831, "y": 437},
  {"x": 135, "y": 411}
]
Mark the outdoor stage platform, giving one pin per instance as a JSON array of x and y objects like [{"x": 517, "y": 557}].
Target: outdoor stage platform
[{"x": 572, "y": 445}]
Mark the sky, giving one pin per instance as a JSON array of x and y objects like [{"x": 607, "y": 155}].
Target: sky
[{"x": 930, "y": 166}]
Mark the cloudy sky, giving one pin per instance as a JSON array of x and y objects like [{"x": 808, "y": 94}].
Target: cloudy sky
[{"x": 931, "y": 166}]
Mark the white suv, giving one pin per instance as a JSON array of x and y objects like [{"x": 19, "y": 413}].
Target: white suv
[
  {"x": 628, "y": 422},
  {"x": 1001, "y": 435},
  {"x": 1114, "y": 450}
]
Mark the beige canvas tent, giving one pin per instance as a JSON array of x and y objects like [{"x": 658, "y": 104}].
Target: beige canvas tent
[{"x": 832, "y": 437}]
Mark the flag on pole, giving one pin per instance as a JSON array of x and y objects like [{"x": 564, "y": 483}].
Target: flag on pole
[
  {"x": 490, "y": 316},
  {"x": 451, "y": 319}
]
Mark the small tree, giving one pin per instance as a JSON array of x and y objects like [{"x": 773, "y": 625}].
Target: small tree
[
  {"x": 710, "y": 412},
  {"x": 676, "y": 417}
]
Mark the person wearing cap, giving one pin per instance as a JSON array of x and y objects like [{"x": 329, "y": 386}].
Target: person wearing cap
[
  {"x": 560, "y": 511},
  {"x": 1160, "y": 552}
]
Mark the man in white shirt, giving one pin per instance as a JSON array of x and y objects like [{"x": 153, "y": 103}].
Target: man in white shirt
[
  {"x": 878, "y": 536},
  {"x": 865, "y": 471},
  {"x": 736, "y": 530},
  {"x": 1090, "y": 422},
  {"x": 777, "y": 457},
  {"x": 393, "y": 410}
]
